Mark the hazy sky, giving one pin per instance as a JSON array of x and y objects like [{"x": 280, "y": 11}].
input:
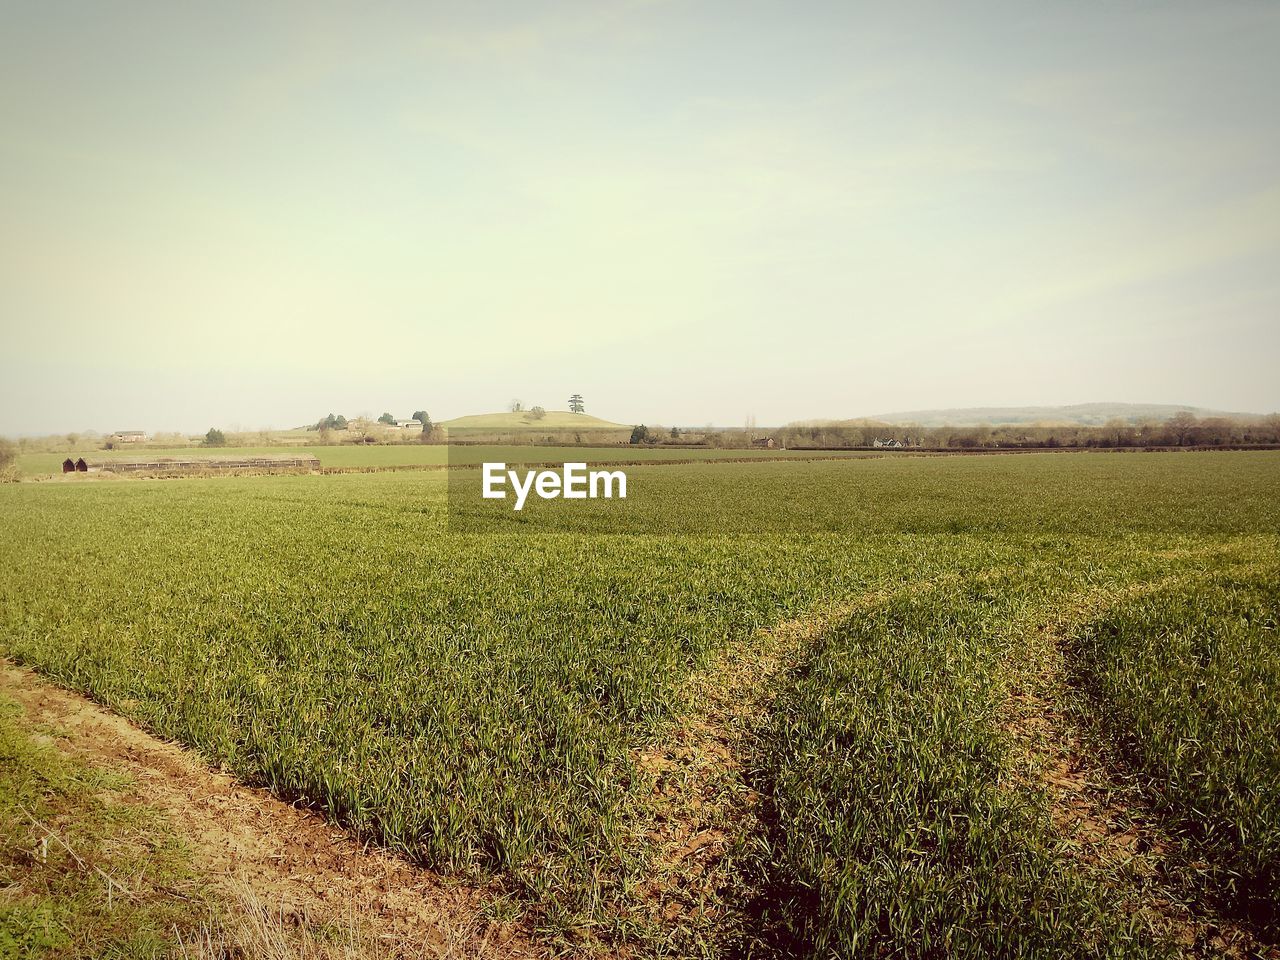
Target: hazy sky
[{"x": 686, "y": 211}]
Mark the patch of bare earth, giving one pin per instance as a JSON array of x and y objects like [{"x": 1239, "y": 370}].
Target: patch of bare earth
[
  {"x": 1103, "y": 823},
  {"x": 278, "y": 865}
]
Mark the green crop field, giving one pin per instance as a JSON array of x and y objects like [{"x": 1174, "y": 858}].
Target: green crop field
[{"x": 921, "y": 707}]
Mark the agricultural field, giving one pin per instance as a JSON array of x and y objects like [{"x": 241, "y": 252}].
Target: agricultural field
[
  {"x": 371, "y": 455},
  {"x": 412, "y": 455},
  {"x": 979, "y": 706}
]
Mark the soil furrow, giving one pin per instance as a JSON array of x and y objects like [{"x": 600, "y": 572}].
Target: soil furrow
[{"x": 263, "y": 851}]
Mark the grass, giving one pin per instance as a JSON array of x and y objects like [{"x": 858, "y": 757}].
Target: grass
[
  {"x": 1003, "y": 497},
  {"x": 1184, "y": 684},
  {"x": 84, "y": 870},
  {"x": 88, "y": 869},
  {"x": 478, "y": 702},
  {"x": 468, "y": 703},
  {"x": 894, "y": 830}
]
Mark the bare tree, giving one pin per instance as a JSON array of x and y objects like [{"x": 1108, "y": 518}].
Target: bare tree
[{"x": 1180, "y": 426}]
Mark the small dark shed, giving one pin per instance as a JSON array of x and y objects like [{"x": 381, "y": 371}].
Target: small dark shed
[
  {"x": 81, "y": 466},
  {"x": 68, "y": 465}
]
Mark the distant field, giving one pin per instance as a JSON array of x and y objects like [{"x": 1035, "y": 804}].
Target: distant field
[
  {"x": 39, "y": 464},
  {"x": 834, "y": 716},
  {"x": 410, "y": 455}
]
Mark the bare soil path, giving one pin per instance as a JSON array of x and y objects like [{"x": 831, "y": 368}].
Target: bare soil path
[{"x": 287, "y": 858}]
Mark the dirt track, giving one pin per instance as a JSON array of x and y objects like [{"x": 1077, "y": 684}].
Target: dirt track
[{"x": 289, "y": 858}]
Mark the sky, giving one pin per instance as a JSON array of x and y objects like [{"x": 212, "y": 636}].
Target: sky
[{"x": 688, "y": 212}]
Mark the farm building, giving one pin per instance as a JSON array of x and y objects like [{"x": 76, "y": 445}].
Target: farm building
[
  {"x": 890, "y": 442},
  {"x": 765, "y": 442},
  {"x": 129, "y": 436}
]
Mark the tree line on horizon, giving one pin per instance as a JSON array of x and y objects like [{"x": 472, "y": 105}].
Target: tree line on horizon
[{"x": 1183, "y": 429}]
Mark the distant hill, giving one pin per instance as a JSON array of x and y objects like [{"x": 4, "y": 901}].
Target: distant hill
[
  {"x": 554, "y": 426},
  {"x": 1078, "y": 414},
  {"x": 551, "y": 420}
]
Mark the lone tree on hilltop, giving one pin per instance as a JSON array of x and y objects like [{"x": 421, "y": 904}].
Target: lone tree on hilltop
[
  {"x": 387, "y": 419},
  {"x": 575, "y": 404},
  {"x": 421, "y": 416},
  {"x": 537, "y": 413},
  {"x": 214, "y": 438}
]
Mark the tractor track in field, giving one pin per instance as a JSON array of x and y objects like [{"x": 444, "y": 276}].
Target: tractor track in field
[
  {"x": 1104, "y": 824},
  {"x": 701, "y": 805},
  {"x": 307, "y": 870}
]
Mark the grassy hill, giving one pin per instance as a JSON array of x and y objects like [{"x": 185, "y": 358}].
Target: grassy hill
[
  {"x": 555, "y": 426},
  {"x": 1079, "y": 414},
  {"x": 551, "y": 420}
]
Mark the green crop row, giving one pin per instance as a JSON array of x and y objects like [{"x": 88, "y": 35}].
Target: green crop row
[
  {"x": 894, "y": 829},
  {"x": 1184, "y": 682}
]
